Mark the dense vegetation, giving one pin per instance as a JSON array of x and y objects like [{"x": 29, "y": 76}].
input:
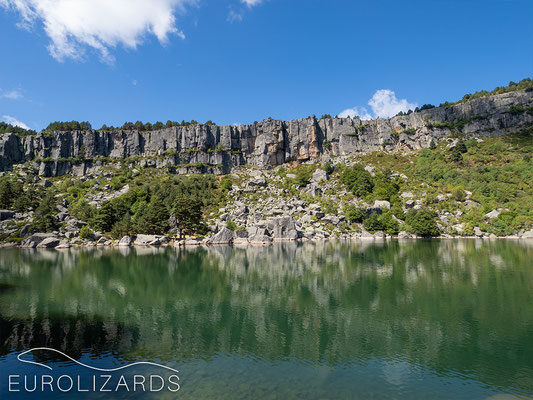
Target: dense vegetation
[
  {"x": 171, "y": 204},
  {"x": 17, "y": 130}
]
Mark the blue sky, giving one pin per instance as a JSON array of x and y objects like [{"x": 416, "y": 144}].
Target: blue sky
[{"x": 237, "y": 61}]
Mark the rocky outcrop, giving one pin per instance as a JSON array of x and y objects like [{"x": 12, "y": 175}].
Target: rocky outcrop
[
  {"x": 206, "y": 148},
  {"x": 283, "y": 229},
  {"x": 225, "y": 236}
]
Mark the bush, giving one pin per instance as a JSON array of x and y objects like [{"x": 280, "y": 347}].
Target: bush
[
  {"x": 304, "y": 174},
  {"x": 86, "y": 233},
  {"x": 226, "y": 183},
  {"x": 353, "y": 213},
  {"x": 384, "y": 222},
  {"x": 505, "y": 224},
  {"x": 373, "y": 223},
  {"x": 328, "y": 168},
  {"x": 458, "y": 150},
  {"x": 357, "y": 180},
  {"x": 43, "y": 218},
  {"x": 421, "y": 222},
  {"x": 232, "y": 226}
]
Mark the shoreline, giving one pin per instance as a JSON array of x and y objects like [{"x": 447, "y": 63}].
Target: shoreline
[{"x": 205, "y": 242}]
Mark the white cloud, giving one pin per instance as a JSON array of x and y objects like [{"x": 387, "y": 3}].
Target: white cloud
[
  {"x": 251, "y": 3},
  {"x": 11, "y": 95},
  {"x": 74, "y": 25},
  {"x": 13, "y": 121},
  {"x": 360, "y": 112},
  {"x": 384, "y": 104}
]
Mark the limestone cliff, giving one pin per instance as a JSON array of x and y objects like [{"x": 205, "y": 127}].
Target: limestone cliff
[{"x": 219, "y": 149}]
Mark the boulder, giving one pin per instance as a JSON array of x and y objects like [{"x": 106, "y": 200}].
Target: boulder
[
  {"x": 49, "y": 242},
  {"x": 382, "y": 204},
  {"x": 404, "y": 235},
  {"x": 379, "y": 235},
  {"x": 125, "y": 241},
  {"x": 35, "y": 239},
  {"x": 259, "y": 181},
  {"x": 478, "y": 232},
  {"x": 6, "y": 214},
  {"x": 527, "y": 235},
  {"x": 240, "y": 240},
  {"x": 283, "y": 229},
  {"x": 366, "y": 235},
  {"x": 155, "y": 242},
  {"x": 319, "y": 175},
  {"x": 64, "y": 244},
  {"x": 370, "y": 170},
  {"x": 260, "y": 239},
  {"x": 225, "y": 236},
  {"x": 410, "y": 204},
  {"x": 493, "y": 214},
  {"x": 144, "y": 240}
]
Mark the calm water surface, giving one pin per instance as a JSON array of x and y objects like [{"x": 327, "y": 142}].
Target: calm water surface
[{"x": 337, "y": 320}]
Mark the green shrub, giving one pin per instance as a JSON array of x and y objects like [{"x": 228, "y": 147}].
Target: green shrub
[
  {"x": 357, "y": 180},
  {"x": 456, "y": 152},
  {"x": 505, "y": 224},
  {"x": 304, "y": 174},
  {"x": 86, "y": 233},
  {"x": 384, "y": 222},
  {"x": 232, "y": 226},
  {"x": 328, "y": 167},
  {"x": 43, "y": 218},
  {"x": 353, "y": 213},
  {"x": 421, "y": 222}
]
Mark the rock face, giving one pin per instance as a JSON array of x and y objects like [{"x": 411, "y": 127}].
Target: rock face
[{"x": 205, "y": 148}]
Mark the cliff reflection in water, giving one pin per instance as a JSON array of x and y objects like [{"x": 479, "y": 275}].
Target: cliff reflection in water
[{"x": 449, "y": 305}]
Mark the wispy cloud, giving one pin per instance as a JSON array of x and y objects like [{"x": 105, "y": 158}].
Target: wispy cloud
[
  {"x": 11, "y": 94},
  {"x": 251, "y": 3},
  {"x": 15, "y": 122},
  {"x": 75, "y": 25},
  {"x": 384, "y": 104},
  {"x": 235, "y": 16}
]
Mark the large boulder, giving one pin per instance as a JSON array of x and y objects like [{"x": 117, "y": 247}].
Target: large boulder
[
  {"x": 145, "y": 240},
  {"x": 49, "y": 242},
  {"x": 225, "y": 236},
  {"x": 283, "y": 229},
  {"x": 260, "y": 239},
  {"x": 35, "y": 239},
  {"x": 125, "y": 241}
]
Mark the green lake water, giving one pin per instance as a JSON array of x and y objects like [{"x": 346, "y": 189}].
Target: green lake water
[{"x": 435, "y": 319}]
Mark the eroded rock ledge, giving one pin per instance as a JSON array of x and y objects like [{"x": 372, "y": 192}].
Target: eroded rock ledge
[{"x": 220, "y": 149}]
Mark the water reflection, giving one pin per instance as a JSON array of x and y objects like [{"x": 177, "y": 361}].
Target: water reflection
[{"x": 458, "y": 308}]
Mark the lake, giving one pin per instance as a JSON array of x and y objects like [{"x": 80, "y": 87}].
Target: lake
[{"x": 421, "y": 319}]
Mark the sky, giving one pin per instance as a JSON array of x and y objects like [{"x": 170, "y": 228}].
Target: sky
[{"x": 240, "y": 61}]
